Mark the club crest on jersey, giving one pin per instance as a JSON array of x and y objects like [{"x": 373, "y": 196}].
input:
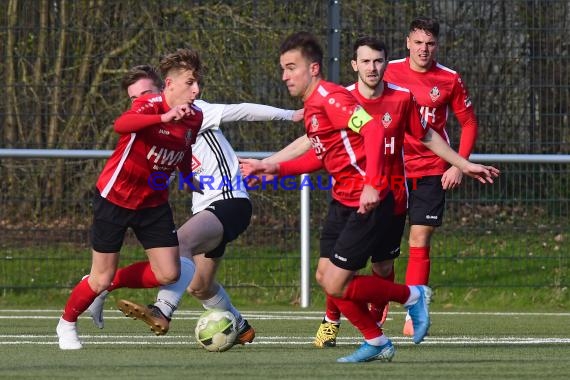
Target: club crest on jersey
[
  {"x": 386, "y": 120},
  {"x": 314, "y": 123},
  {"x": 434, "y": 93}
]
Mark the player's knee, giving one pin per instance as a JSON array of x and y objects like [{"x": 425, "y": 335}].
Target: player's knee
[
  {"x": 99, "y": 283},
  {"x": 383, "y": 269},
  {"x": 199, "y": 292},
  {"x": 319, "y": 277},
  {"x": 167, "y": 277}
]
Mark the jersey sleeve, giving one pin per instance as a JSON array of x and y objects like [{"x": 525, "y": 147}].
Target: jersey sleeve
[
  {"x": 463, "y": 108},
  {"x": 142, "y": 114},
  {"x": 254, "y": 112},
  {"x": 307, "y": 163},
  {"x": 212, "y": 114},
  {"x": 344, "y": 111}
]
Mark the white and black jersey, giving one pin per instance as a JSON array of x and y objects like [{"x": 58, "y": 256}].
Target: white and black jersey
[{"x": 215, "y": 163}]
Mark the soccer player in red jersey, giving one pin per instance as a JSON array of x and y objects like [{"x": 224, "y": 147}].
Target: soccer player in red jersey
[
  {"x": 398, "y": 113},
  {"x": 345, "y": 141},
  {"x": 156, "y": 136},
  {"x": 437, "y": 89}
]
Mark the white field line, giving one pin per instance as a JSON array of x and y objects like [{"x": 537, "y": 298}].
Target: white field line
[
  {"x": 175, "y": 340},
  {"x": 180, "y": 340},
  {"x": 265, "y": 315}
]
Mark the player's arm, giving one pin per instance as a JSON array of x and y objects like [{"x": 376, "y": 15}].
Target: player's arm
[
  {"x": 258, "y": 112},
  {"x": 142, "y": 115},
  {"x": 439, "y": 146},
  {"x": 295, "y": 149},
  {"x": 463, "y": 108},
  {"x": 306, "y": 163},
  {"x": 361, "y": 122}
]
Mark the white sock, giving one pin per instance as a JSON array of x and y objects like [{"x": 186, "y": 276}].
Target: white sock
[
  {"x": 378, "y": 341},
  {"x": 169, "y": 296},
  {"x": 337, "y": 322},
  {"x": 414, "y": 296},
  {"x": 222, "y": 301}
]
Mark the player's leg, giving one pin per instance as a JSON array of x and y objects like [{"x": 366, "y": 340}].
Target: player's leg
[
  {"x": 426, "y": 206},
  {"x": 235, "y": 216},
  {"x": 154, "y": 228},
  {"x": 333, "y": 225},
  {"x": 107, "y": 234},
  {"x": 202, "y": 231},
  {"x": 383, "y": 261},
  {"x": 103, "y": 267},
  {"x": 350, "y": 253}
]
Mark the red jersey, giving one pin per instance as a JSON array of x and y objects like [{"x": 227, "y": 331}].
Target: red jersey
[
  {"x": 435, "y": 91},
  {"x": 397, "y": 112},
  {"x": 147, "y": 152},
  {"x": 333, "y": 126}
]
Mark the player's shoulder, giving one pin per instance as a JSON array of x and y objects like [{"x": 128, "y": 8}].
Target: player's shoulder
[
  {"x": 444, "y": 71},
  {"x": 147, "y": 104},
  {"x": 331, "y": 93},
  {"x": 150, "y": 98},
  {"x": 397, "y": 65},
  {"x": 395, "y": 87}
]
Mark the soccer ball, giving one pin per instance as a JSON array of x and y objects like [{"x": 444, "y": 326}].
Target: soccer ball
[{"x": 216, "y": 330}]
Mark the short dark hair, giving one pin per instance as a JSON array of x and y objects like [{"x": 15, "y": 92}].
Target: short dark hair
[
  {"x": 371, "y": 42},
  {"x": 308, "y": 45},
  {"x": 428, "y": 25},
  {"x": 141, "y": 72},
  {"x": 182, "y": 59}
]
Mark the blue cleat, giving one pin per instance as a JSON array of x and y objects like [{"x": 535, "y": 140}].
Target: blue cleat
[
  {"x": 367, "y": 352},
  {"x": 419, "y": 312}
]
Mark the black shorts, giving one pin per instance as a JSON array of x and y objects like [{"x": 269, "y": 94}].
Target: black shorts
[
  {"x": 390, "y": 248},
  {"x": 235, "y": 216},
  {"x": 426, "y": 201},
  {"x": 349, "y": 239},
  {"x": 154, "y": 226}
]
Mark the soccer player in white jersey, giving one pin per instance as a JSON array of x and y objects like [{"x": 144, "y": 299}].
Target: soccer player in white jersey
[{"x": 220, "y": 213}]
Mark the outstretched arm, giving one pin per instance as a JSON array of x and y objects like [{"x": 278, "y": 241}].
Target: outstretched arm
[
  {"x": 436, "y": 144},
  {"x": 297, "y": 148},
  {"x": 258, "y": 112}
]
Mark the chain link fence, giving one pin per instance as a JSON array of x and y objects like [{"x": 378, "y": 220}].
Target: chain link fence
[{"x": 62, "y": 63}]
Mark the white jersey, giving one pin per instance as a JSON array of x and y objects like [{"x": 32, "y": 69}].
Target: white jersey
[{"x": 214, "y": 161}]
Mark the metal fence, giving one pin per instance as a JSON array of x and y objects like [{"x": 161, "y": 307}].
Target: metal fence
[{"x": 61, "y": 67}]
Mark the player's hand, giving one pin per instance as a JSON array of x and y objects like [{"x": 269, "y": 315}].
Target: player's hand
[
  {"x": 451, "y": 178},
  {"x": 176, "y": 113},
  {"x": 298, "y": 115},
  {"x": 251, "y": 169},
  {"x": 481, "y": 173},
  {"x": 369, "y": 199}
]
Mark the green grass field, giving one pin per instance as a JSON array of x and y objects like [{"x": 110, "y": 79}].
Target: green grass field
[{"x": 461, "y": 345}]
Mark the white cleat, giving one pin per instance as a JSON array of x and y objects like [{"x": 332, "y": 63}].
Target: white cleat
[
  {"x": 67, "y": 334},
  {"x": 96, "y": 309}
]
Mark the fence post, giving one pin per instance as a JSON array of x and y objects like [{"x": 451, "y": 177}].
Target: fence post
[{"x": 305, "y": 243}]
